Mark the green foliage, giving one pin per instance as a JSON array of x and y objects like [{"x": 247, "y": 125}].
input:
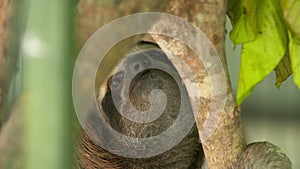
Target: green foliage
[
  {"x": 291, "y": 12},
  {"x": 244, "y": 15},
  {"x": 283, "y": 70},
  {"x": 262, "y": 27},
  {"x": 294, "y": 49}
]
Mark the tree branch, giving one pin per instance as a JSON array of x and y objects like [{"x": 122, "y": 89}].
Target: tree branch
[{"x": 227, "y": 142}]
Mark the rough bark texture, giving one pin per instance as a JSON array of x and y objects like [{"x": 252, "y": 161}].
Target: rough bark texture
[
  {"x": 11, "y": 129},
  {"x": 227, "y": 142},
  {"x": 93, "y": 14},
  {"x": 11, "y": 138},
  {"x": 6, "y": 8},
  {"x": 12, "y": 25}
]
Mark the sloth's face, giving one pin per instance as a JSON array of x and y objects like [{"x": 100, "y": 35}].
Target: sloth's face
[
  {"x": 136, "y": 64},
  {"x": 129, "y": 71},
  {"x": 145, "y": 94}
]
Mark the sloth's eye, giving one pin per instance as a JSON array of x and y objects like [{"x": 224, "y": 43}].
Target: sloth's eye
[{"x": 116, "y": 80}]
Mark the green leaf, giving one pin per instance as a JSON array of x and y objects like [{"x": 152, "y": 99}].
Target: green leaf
[
  {"x": 244, "y": 16},
  {"x": 294, "y": 49},
  {"x": 262, "y": 55},
  {"x": 235, "y": 10},
  {"x": 291, "y": 12},
  {"x": 283, "y": 70}
]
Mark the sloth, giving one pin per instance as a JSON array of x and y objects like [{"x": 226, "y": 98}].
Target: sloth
[
  {"x": 186, "y": 154},
  {"x": 127, "y": 92}
]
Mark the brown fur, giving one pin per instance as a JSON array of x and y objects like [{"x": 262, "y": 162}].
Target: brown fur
[
  {"x": 263, "y": 155},
  {"x": 187, "y": 154}
]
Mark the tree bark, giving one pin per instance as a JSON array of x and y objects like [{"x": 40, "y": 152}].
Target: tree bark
[
  {"x": 94, "y": 14},
  {"x": 12, "y": 137},
  {"x": 12, "y": 25},
  {"x": 6, "y": 8},
  {"x": 227, "y": 142}
]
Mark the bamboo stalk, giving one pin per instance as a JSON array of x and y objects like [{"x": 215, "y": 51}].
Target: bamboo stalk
[{"x": 47, "y": 85}]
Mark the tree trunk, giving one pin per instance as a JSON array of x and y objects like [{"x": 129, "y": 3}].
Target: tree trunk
[
  {"x": 6, "y": 8},
  {"x": 13, "y": 18},
  {"x": 227, "y": 142}
]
